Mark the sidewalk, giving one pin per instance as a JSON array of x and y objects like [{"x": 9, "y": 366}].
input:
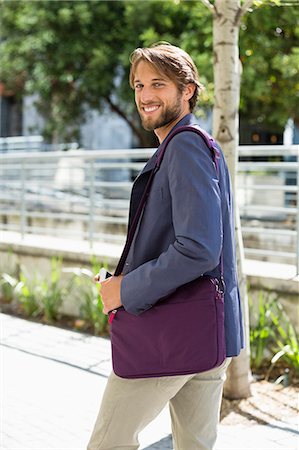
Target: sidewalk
[{"x": 52, "y": 381}]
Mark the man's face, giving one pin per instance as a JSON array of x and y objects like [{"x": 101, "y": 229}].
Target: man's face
[{"x": 158, "y": 99}]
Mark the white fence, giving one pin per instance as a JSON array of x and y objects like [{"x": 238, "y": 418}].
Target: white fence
[{"x": 85, "y": 194}]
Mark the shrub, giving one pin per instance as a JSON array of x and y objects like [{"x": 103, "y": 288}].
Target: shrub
[
  {"x": 272, "y": 332},
  {"x": 91, "y": 310},
  {"x": 10, "y": 288}
]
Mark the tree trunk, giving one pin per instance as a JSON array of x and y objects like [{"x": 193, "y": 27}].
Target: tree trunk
[{"x": 227, "y": 70}]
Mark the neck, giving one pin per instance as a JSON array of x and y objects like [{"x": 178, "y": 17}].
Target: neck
[{"x": 162, "y": 132}]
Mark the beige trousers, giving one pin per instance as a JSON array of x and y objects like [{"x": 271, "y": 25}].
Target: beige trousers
[{"x": 129, "y": 405}]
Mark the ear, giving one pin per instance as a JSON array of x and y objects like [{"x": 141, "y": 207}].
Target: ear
[{"x": 189, "y": 91}]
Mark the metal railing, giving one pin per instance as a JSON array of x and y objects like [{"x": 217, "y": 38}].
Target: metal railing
[
  {"x": 267, "y": 193},
  {"x": 31, "y": 144},
  {"x": 85, "y": 194}
]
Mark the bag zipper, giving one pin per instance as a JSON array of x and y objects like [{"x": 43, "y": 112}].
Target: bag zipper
[{"x": 112, "y": 314}]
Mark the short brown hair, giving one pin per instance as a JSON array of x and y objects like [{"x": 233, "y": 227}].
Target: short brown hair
[{"x": 172, "y": 61}]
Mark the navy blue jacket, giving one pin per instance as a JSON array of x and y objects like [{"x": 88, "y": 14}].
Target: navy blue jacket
[{"x": 187, "y": 222}]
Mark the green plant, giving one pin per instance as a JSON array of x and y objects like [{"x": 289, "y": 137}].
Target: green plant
[
  {"x": 262, "y": 332},
  {"x": 272, "y": 331},
  {"x": 52, "y": 291},
  {"x": 91, "y": 310},
  {"x": 10, "y": 287},
  {"x": 286, "y": 339},
  {"x": 44, "y": 294},
  {"x": 29, "y": 294}
]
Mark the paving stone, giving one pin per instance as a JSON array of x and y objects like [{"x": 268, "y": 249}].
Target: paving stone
[{"x": 52, "y": 381}]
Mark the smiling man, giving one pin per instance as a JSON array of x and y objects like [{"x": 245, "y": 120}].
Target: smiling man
[
  {"x": 158, "y": 101},
  {"x": 186, "y": 232}
]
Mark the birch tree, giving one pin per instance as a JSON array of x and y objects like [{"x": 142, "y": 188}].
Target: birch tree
[{"x": 227, "y": 16}]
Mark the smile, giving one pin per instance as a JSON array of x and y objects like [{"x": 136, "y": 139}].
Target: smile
[{"x": 149, "y": 109}]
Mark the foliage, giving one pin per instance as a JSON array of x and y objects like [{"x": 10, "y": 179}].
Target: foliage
[
  {"x": 10, "y": 287},
  {"x": 270, "y": 58},
  {"x": 29, "y": 293},
  {"x": 76, "y": 55},
  {"x": 42, "y": 294},
  {"x": 272, "y": 333},
  {"x": 52, "y": 291},
  {"x": 286, "y": 338},
  {"x": 66, "y": 52},
  {"x": 261, "y": 333},
  {"x": 91, "y": 310}
]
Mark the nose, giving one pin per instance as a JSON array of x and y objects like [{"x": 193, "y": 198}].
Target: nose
[{"x": 146, "y": 95}]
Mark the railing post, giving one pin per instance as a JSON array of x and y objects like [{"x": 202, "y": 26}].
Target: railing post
[
  {"x": 23, "y": 200},
  {"x": 297, "y": 259},
  {"x": 246, "y": 196},
  {"x": 91, "y": 203}
]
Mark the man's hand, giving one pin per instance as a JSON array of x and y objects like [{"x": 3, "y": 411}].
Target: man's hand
[{"x": 110, "y": 293}]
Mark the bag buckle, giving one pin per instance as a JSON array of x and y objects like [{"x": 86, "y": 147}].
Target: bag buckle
[
  {"x": 222, "y": 286},
  {"x": 219, "y": 284}
]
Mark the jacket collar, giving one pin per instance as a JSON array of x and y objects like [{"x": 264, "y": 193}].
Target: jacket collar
[{"x": 186, "y": 120}]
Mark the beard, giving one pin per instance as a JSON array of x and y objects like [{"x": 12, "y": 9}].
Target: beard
[{"x": 167, "y": 116}]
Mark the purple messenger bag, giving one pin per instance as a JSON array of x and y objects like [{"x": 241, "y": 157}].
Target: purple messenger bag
[{"x": 183, "y": 333}]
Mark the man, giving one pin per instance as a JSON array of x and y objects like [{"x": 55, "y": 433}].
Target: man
[{"x": 186, "y": 225}]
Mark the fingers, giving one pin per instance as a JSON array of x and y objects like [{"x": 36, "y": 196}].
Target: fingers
[{"x": 96, "y": 279}]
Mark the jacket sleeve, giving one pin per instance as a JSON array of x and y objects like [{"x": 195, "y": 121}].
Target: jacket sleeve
[{"x": 197, "y": 224}]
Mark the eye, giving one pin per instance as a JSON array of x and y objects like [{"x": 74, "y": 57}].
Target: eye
[
  {"x": 138, "y": 86},
  {"x": 158, "y": 85}
]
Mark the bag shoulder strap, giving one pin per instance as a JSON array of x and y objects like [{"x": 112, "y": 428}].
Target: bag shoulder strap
[
  {"x": 209, "y": 141},
  {"x": 211, "y": 144}
]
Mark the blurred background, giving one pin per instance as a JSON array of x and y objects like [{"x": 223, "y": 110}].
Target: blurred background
[
  {"x": 71, "y": 145},
  {"x": 64, "y": 68}
]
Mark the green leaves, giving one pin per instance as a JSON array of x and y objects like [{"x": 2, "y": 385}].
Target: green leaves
[
  {"x": 269, "y": 54},
  {"x": 271, "y": 332},
  {"x": 29, "y": 294},
  {"x": 42, "y": 295},
  {"x": 71, "y": 54},
  {"x": 91, "y": 309},
  {"x": 261, "y": 332},
  {"x": 52, "y": 45},
  {"x": 10, "y": 287}
]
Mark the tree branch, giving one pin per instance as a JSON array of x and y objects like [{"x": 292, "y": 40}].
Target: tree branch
[
  {"x": 115, "y": 108},
  {"x": 242, "y": 10},
  {"x": 209, "y": 5}
]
